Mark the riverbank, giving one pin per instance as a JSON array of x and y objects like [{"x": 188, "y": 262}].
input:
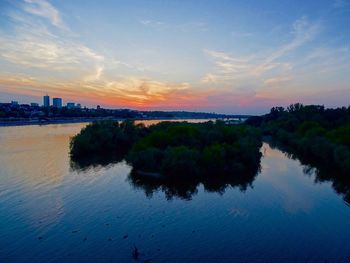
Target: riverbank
[{"x": 5, "y": 123}]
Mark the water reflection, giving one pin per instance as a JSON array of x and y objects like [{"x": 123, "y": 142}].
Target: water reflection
[
  {"x": 321, "y": 171},
  {"x": 54, "y": 211},
  {"x": 84, "y": 164},
  {"x": 187, "y": 189},
  {"x": 183, "y": 189}
]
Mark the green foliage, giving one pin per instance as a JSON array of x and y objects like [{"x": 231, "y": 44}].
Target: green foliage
[
  {"x": 180, "y": 161},
  {"x": 189, "y": 149},
  {"x": 323, "y": 135},
  {"x": 105, "y": 138},
  {"x": 341, "y": 135},
  {"x": 175, "y": 150},
  {"x": 147, "y": 159}
]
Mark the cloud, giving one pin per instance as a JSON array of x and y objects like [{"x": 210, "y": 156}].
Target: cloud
[
  {"x": 184, "y": 27},
  {"x": 228, "y": 66},
  {"x": 95, "y": 76},
  {"x": 260, "y": 66},
  {"x": 46, "y": 53},
  {"x": 46, "y": 10},
  {"x": 132, "y": 92},
  {"x": 237, "y": 34},
  {"x": 56, "y": 63},
  {"x": 32, "y": 45},
  {"x": 303, "y": 32},
  {"x": 271, "y": 75},
  {"x": 278, "y": 80},
  {"x": 152, "y": 23}
]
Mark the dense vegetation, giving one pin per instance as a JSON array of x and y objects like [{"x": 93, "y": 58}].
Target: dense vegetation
[
  {"x": 105, "y": 140},
  {"x": 177, "y": 156},
  {"x": 197, "y": 150},
  {"x": 174, "y": 150},
  {"x": 316, "y": 134}
]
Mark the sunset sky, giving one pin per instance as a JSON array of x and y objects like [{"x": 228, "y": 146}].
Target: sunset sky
[{"x": 222, "y": 56}]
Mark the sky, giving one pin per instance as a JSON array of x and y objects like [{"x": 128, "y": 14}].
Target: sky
[{"x": 219, "y": 56}]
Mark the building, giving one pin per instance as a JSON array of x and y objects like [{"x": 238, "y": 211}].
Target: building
[
  {"x": 70, "y": 105},
  {"x": 78, "y": 106},
  {"x": 14, "y": 103},
  {"x": 34, "y": 104},
  {"x": 57, "y": 102},
  {"x": 46, "y": 101}
]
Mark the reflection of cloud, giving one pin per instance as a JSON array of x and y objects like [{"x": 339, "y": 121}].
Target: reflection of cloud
[
  {"x": 286, "y": 176},
  {"x": 43, "y": 158}
]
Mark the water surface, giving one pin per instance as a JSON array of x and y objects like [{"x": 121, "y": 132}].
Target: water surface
[{"x": 53, "y": 212}]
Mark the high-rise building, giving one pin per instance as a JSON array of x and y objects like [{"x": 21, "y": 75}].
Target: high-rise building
[
  {"x": 46, "y": 100},
  {"x": 57, "y": 102},
  {"x": 70, "y": 105}
]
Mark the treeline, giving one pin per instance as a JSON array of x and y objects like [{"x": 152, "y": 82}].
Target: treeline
[
  {"x": 174, "y": 150},
  {"x": 105, "y": 141},
  {"x": 313, "y": 132},
  {"x": 25, "y": 111},
  {"x": 196, "y": 150}
]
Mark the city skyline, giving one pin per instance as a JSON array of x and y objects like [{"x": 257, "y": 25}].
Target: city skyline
[
  {"x": 46, "y": 101},
  {"x": 236, "y": 57}
]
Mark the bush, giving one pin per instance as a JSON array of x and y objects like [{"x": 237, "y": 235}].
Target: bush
[
  {"x": 180, "y": 162},
  {"x": 105, "y": 138}
]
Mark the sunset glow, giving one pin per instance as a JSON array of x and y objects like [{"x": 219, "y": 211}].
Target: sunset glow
[{"x": 176, "y": 55}]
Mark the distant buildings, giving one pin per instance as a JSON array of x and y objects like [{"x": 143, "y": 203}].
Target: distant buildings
[
  {"x": 57, "y": 102},
  {"x": 70, "y": 105},
  {"x": 46, "y": 101},
  {"x": 14, "y": 103},
  {"x": 34, "y": 104}
]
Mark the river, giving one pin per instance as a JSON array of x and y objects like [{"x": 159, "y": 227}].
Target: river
[{"x": 53, "y": 211}]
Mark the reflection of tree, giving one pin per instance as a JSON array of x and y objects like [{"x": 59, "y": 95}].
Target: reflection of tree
[
  {"x": 186, "y": 188},
  {"x": 83, "y": 163},
  {"x": 323, "y": 171},
  {"x": 183, "y": 187}
]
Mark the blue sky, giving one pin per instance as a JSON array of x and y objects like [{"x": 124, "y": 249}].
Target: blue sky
[{"x": 222, "y": 56}]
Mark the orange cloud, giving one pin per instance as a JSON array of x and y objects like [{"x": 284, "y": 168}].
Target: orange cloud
[{"x": 127, "y": 92}]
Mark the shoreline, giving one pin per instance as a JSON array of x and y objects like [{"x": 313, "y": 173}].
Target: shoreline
[{"x": 10, "y": 123}]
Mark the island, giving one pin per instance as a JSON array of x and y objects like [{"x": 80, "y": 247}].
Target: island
[
  {"x": 178, "y": 156},
  {"x": 173, "y": 151}
]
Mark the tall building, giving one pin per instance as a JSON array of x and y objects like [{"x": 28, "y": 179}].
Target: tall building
[
  {"x": 46, "y": 100},
  {"x": 57, "y": 102},
  {"x": 70, "y": 105}
]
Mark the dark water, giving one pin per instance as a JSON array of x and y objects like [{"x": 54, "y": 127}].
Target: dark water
[{"x": 53, "y": 212}]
